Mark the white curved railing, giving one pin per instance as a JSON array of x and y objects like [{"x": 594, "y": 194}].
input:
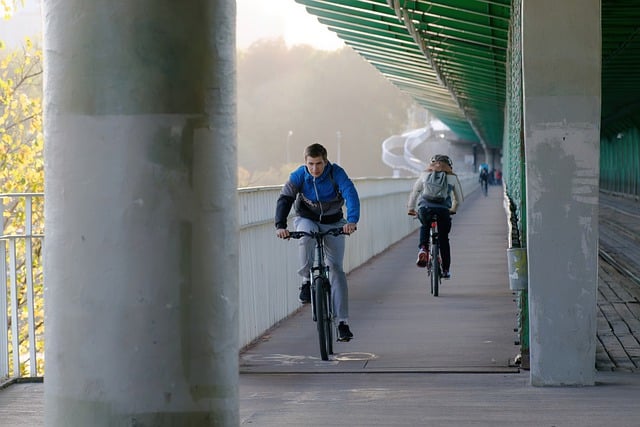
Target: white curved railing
[
  {"x": 409, "y": 151},
  {"x": 393, "y": 153},
  {"x": 413, "y": 141},
  {"x": 399, "y": 151}
]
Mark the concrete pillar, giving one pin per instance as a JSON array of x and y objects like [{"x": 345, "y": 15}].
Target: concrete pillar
[
  {"x": 561, "y": 75},
  {"x": 141, "y": 218}
]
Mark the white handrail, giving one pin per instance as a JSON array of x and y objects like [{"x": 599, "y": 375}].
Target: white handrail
[{"x": 18, "y": 277}]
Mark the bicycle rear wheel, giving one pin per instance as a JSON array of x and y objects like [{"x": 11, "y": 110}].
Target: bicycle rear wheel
[
  {"x": 435, "y": 268},
  {"x": 322, "y": 318}
]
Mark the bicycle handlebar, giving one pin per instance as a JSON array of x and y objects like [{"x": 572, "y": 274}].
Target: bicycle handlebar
[
  {"x": 317, "y": 234},
  {"x": 415, "y": 214}
]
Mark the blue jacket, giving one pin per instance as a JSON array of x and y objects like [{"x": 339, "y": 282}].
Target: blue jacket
[{"x": 319, "y": 199}]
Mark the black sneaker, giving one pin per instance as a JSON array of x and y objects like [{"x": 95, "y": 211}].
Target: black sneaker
[
  {"x": 305, "y": 293},
  {"x": 344, "y": 334},
  {"x": 446, "y": 274}
]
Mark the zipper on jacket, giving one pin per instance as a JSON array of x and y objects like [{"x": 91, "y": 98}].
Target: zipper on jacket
[{"x": 318, "y": 199}]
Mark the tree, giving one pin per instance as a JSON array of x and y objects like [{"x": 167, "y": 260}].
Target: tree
[
  {"x": 8, "y": 6},
  {"x": 21, "y": 144}
]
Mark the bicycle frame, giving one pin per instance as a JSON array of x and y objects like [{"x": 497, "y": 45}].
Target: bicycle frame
[
  {"x": 319, "y": 268},
  {"x": 434, "y": 267},
  {"x": 321, "y": 298}
]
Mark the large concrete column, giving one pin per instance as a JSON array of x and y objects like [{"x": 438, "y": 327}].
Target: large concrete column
[
  {"x": 141, "y": 248},
  {"x": 561, "y": 75}
]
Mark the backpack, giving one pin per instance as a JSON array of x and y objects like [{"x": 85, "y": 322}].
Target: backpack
[{"x": 436, "y": 187}]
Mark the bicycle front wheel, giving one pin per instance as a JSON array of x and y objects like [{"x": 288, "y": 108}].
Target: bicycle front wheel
[
  {"x": 435, "y": 269},
  {"x": 322, "y": 317},
  {"x": 328, "y": 324}
]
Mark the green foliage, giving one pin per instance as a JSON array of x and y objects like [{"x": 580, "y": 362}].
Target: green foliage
[
  {"x": 21, "y": 138},
  {"x": 7, "y": 7},
  {"x": 335, "y": 98}
]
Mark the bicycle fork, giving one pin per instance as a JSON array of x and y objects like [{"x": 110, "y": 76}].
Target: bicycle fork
[
  {"x": 433, "y": 238},
  {"x": 318, "y": 270}
]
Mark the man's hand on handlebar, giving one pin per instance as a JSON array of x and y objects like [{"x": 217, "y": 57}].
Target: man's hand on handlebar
[
  {"x": 282, "y": 233},
  {"x": 412, "y": 212},
  {"x": 349, "y": 228}
]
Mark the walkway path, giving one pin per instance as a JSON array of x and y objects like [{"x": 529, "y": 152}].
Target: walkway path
[
  {"x": 416, "y": 360},
  {"x": 399, "y": 326}
]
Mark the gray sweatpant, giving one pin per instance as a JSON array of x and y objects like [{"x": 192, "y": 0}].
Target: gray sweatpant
[{"x": 334, "y": 255}]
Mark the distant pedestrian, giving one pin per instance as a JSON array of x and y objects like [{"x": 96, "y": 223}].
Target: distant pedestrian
[{"x": 483, "y": 179}]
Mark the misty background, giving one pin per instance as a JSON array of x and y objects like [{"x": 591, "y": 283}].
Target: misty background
[{"x": 290, "y": 97}]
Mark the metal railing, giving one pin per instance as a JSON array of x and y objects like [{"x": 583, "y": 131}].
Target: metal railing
[{"x": 21, "y": 278}]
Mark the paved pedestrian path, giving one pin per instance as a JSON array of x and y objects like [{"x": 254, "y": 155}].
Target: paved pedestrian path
[
  {"x": 416, "y": 360},
  {"x": 399, "y": 326},
  {"x": 423, "y": 361}
]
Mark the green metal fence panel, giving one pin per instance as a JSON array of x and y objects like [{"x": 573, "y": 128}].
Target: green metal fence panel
[
  {"x": 514, "y": 165},
  {"x": 620, "y": 162}
]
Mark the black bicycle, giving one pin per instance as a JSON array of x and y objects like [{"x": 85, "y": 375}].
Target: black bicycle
[
  {"x": 321, "y": 302},
  {"x": 434, "y": 269}
]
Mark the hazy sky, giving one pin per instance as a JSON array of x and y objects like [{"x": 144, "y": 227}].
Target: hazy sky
[
  {"x": 258, "y": 19},
  {"x": 26, "y": 23}
]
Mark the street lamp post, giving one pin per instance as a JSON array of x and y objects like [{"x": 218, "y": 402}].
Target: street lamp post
[
  {"x": 288, "y": 155},
  {"x": 339, "y": 138}
]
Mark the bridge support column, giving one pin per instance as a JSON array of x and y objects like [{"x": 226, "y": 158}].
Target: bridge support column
[
  {"x": 141, "y": 219},
  {"x": 561, "y": 74}
]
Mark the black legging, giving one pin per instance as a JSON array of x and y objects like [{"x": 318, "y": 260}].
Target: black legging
[{"x": 444, "y": 227}]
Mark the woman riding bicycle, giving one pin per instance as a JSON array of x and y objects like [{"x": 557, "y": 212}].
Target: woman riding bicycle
[{"x": 427, "y": 207}]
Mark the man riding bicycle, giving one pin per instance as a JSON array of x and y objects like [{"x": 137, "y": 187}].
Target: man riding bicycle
[
  {"x": 443, "y": 209},
  {"x": 318, "y": 190}
]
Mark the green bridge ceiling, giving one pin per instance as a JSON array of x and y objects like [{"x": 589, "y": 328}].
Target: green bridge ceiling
[{"x": 451, "y": 57}]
